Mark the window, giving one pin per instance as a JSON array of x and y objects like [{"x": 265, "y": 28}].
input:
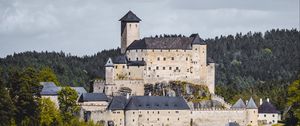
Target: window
[
  {"x": 187, "y": 59},
  {"x": 116, "y": 67},
  {"x": 137, "y": 59},
  {"x": 172, "y": 58},
  {"x": 129, "y": 59},
  {"x": 123, "y": 66},
  {"x": 157, "y": 68},
  {"x": 147, "y": 119},
  {"x": 157, "y": 119},
  {"x": 170, "y": 68},
  {"x": 195, "y": 48},
  {"x": 176, "y": 111},
  {"x": 136, "y": 25},
  {"x": 157, "y": 112},
  {"x": 177, "y": 68},
  {"x": 164, "y": 68},
  {"x": 168, "y": 119},
  {"x": 133, "y": 120},
  {"x": 136, "y": 50},
  {"x": 158, "y": 59},
  {"x": 129, "y": 73},
  {"x": 273, "y": 115},
  {"x": 178, "y": 119},
  {"x": 176, "y": 50},
  {"x": 169, "y": 50},
  {"x": 142, "y": 59},
  {"x": 157, "y": 75},
  {"x": 265, "y": 115},
  {"x": 164, "y": 58},
  {"x": 132, "y": 112},
  {"x": 149, "y": 68}
]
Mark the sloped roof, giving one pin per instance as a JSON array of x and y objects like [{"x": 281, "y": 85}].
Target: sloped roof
[
  {"x": 177, "y": 42},
  {"x": 118, "y": 103},
  {"x": 109, "y": 63},
  {"x": 136, "y": 63},
  {"x": 130, "y": 17},
  {"x": 197, "y": 39},
  {"x": 239, "y": 104},
  {"x": 267, "y": 107},
  {"x": 85, "y": 97},
  {"x": 251, "y": 104},
  {"x": 157, "y": 103},
  {"x": 79, "y": 90},
  {"x": 120, "y": 59},
  {"x": 49, "y": 88},
  {"x": 162, "y": 43}
]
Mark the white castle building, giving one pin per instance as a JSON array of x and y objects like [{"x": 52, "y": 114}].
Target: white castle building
[{"x": 156, "y": 59}]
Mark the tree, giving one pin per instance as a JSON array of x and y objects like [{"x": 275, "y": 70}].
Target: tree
[
  {"x": 294, "y": 99},
  {"x": 25, "y": 89},
  {"x": 47, "y": 74},
  {"x": 67, "y": 103},
  {"x": 6, "y": 105},
  {"x": 49, "y": 114}
]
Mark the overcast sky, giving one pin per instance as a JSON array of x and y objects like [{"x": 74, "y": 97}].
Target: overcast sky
[{"x": 85, "y": 27}]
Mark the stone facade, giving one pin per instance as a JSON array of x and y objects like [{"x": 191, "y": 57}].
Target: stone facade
[
  {"x": 186, "y": 61},
  {"x": 173, "y": 117}
]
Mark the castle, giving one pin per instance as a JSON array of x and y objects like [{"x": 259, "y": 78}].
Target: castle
[
  {"x": 159, "y": 60},
  {"x": 155, "y": 60}
]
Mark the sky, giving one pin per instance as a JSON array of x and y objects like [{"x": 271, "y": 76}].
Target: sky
[{"x": 85, "y": 27}]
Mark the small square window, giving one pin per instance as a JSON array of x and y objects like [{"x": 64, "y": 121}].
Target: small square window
[
  {"x": 158, "y": 58},
  {"x": 149, "y": 68},
  {"x": 164, "y": 68},
  {"x": 170, "y": 68},
  {"x": 172, "y": 58},
  {"x": 164, "y": 58},
  {"x": 157, "y": 68}
]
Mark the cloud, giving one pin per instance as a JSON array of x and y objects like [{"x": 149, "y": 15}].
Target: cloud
[{"x": 86, "y": 27}]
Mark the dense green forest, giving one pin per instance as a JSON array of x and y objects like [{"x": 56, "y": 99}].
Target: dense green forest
[{"x": 253, "y": 64}]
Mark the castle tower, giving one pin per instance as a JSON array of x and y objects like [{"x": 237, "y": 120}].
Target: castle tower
[
  {"x": 109, "y": 71},
  {"x": 130, "y": 30},
  {"x": 252, "y": 113}
]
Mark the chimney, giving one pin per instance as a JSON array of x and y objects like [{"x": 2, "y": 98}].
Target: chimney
[
  {"x": 127, "y": 96},
  {"x": 268, "y": 100},
  {"x": 260, "y": 101}
]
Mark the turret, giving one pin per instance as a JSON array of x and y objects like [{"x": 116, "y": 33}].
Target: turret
[
  {"x": 109, "y": 71},
  {"x": 252, "y": 113},
  {"x": 130, "y": 30}
]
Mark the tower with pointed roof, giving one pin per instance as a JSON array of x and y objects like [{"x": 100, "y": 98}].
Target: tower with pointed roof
[
  {"x": 252, "y": 113},
  {"x": 130, "y": 30}
]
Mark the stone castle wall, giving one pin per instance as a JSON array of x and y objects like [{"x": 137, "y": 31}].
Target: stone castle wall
[
  {"x": 157, "y": 118},
  {"x": 212, "y": 117},
  {"x": 203, "y": 117}
]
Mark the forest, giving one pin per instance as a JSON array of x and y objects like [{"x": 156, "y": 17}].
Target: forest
[{"x": 261, "y": 65}]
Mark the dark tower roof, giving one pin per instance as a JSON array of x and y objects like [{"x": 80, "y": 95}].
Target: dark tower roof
[
  {"x": 267, "y": 107},
  {"x": 130, "y": 17}
]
